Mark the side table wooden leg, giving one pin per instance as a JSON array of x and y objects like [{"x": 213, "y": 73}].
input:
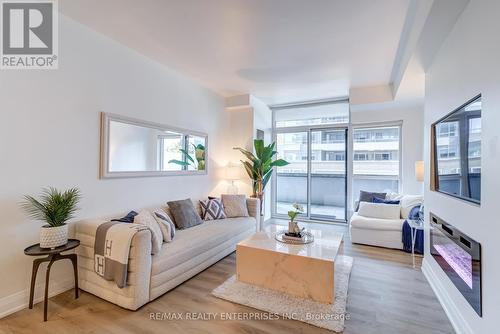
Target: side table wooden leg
[
  {"x": 36, "y": 264},
  {"x": 46, "y": 297},
  {"x": 74, "y": 260}
]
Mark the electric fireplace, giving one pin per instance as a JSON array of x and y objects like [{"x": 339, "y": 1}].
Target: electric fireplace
[{"x": 460, "y": 258}]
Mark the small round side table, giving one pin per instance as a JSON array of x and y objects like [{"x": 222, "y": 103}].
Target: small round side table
[{"x": 53, "y": 255}]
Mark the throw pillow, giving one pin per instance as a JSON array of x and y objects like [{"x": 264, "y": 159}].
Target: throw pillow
[
  {"x": 185, "y": 215},
  {"x": 377, "y": 210},
  {"x": 212, "y": 209},
  {"x": 366, "y": 196},
  {"x": 145, "y": 218},
  {"x": 235, "y": 205},
  {"x": 408, "y": 202},
  {"x": 167, "y": 227},
  {"x": 129, "y": 218},
  {"x": 385, "y": 201},
  {"x": 414, "y": 213}
]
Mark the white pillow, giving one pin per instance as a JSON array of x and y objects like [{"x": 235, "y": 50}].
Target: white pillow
[
  {"x": 379, "y": 210},
  {"x": 393, "y": 196},
  {"x": 167, "y": 227},
  {"x": 145, "y": 218},
  {"x": 408, "y": 202}
]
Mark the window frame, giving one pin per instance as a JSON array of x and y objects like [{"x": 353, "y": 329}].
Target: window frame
[{"x": 309, "y": 129}]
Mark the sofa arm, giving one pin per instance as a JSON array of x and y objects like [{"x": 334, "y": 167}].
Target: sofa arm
[{"x": 136, "y": 292}]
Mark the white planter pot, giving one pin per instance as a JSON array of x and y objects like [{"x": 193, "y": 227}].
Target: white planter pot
[{"x": 52, "y": 237}]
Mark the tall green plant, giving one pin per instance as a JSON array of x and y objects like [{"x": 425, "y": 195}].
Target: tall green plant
[
  {"x": 199, "y": 154},
  {"x": 259, "y": 166},
  {"x": 54, "y": 207}
]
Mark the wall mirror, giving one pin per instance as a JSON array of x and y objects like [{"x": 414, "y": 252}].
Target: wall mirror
[
  {"x": 457, "y": 152},
  {"x": 136, "y": 148}
]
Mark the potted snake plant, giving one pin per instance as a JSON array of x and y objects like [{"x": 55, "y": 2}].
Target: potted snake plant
[{"x": 54, "y": 208}]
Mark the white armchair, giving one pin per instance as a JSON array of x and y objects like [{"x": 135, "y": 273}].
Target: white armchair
[{"x": 379, "y": 231}]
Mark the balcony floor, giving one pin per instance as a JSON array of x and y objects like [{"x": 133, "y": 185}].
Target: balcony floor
[{"x": 326, "y": 211}]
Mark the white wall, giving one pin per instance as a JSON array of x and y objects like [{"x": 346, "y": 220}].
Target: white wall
[
  {"x": 263, "y": 120},
  {"x": 49, "y": 136},
  {"x": 240, "y": 135},
  {"x": 468, "y": 63},
  {"x": 246, "y": 114},
  {"x": 412, "y": 140}
]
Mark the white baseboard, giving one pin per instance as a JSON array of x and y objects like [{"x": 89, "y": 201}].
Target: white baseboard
[
  {"x": 20, "y": 300},
  {"x": 451, "y": 310}
]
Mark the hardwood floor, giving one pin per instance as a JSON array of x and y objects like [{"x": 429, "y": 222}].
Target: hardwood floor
[{"x": 386, "y": 295}]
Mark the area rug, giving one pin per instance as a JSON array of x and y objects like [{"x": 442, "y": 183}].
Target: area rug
[{"x": 329, "y": 316}]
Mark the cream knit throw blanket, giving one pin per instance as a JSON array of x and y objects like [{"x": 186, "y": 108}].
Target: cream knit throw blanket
[{"x": 111, "y": 250}]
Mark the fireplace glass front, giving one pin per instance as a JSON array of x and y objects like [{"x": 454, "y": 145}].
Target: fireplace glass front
[{"x": 460, "y": 258}]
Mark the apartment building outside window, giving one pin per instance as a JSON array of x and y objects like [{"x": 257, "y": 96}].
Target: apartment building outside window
[{"x": 376, "y": 159}]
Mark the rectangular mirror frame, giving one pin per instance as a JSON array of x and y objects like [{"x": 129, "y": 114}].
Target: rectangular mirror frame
[{"x": 105, "y": 173}]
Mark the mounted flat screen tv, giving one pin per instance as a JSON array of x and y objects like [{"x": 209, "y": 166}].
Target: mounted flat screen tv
[{"x": 457, "y": 152}]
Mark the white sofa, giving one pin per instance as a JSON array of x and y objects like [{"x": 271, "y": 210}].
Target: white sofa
[
  {"x": 150, "y": 276},
  {"x": 383, "y": 232}
]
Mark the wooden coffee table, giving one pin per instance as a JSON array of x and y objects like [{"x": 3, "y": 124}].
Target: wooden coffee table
[{"x": 302, "y": 270}]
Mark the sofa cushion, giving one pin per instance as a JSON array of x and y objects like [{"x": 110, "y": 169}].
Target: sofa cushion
[
  {"x": 212, "y": 209},
  {"x": 368, "y": 223},
  {"x": 379, "y": 210},
  {"x": 235, "y": 205},
  {"x": 408, "y": 202},
  {"x": 198, "y": 239},
  {"x": 167, "y": 227},
  {"x": 366, "y": 196},
  {"x": 145, "y": 218},
  {"x": 184, "y": 212}
]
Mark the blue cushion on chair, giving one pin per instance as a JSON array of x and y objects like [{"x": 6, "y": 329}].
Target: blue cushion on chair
[
  {"x": 414, "y": 213},
  {"x": 406, "y": 233}
]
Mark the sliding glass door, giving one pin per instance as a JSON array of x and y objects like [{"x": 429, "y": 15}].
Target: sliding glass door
[
  {"x": 317, "y": 174},
  {"x": 312, "y": 137},
  {"x": 328, "y": 172},
  {"x": 292, "y": 180}
]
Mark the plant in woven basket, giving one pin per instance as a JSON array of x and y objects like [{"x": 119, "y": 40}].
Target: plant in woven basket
[{"x": 55, "y": 208}]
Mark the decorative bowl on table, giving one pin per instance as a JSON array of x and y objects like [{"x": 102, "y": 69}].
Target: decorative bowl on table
[{"x": 300, "y": 238}]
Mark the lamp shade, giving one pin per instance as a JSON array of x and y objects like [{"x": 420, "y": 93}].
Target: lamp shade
[
  {"x": 419, "y": 171},
  {"x": 233, "y": 172}
]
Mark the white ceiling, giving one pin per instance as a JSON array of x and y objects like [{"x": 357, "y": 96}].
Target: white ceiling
[{"x": 278, "y": 50}]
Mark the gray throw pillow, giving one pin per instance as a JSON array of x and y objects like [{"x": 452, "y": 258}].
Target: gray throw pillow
[
  {"x": 185, "y": 215},
  {"x": 366, "y": 196}
]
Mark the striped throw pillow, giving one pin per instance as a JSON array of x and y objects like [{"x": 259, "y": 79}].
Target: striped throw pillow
[{"x": 167, "y": 227}]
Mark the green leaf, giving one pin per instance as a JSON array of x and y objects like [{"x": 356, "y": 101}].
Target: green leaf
[
  {"x": 248, "y": 169},
  {"x": 279, "y": 163},
  {"x": 266, "y": 179},
  {"x": 246, "y": 153},
  {"x": 186, "y": 154},
  {"x": 178, "y": 162},
  {"x": 54, "y": 207},
  {"x": 268, "y": 153},
  {"x": 259, "y": 147}
]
